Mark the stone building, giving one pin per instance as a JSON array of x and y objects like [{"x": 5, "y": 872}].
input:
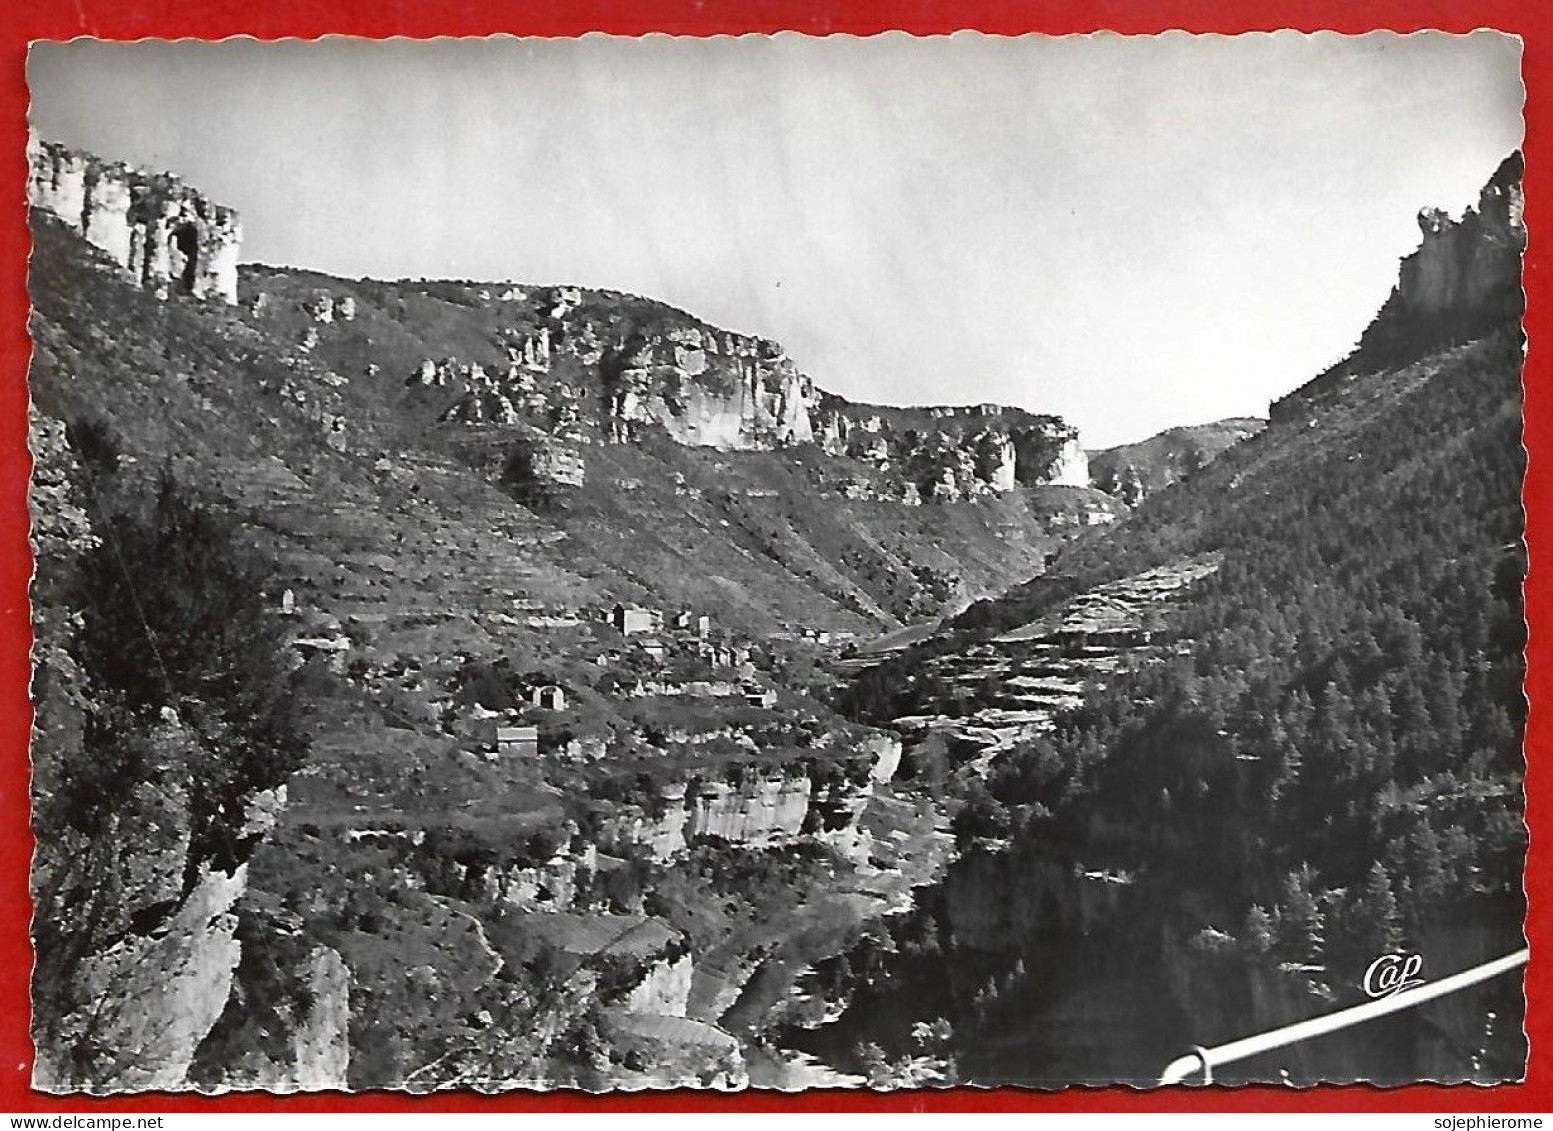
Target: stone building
[
  {"x": 517, "y": 741},
  {"x": 548, "y": 697},
  {"x": 632, "y": 619}
]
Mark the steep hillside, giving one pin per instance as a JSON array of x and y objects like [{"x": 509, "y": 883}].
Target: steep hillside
[
  {"x": 1230, "y": 749},
  {"x": 1132, "y": 472},
  {"x": 317, "y": 460},
  {"x": 498, "y": 750},
  {"x": 1463, "y": 282},
  {"x": 585, "y": 366}
]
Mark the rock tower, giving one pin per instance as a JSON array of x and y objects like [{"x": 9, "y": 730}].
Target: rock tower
[{"x": 171, "y": 238}]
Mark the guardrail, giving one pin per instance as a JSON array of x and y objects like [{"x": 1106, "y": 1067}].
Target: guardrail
[{"x": 1206, "y": 1060}]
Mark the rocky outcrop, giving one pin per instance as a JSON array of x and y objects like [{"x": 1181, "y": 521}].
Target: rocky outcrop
[
  {"x": 662, "y": 833},
  {"x": 1071, "y": 467},
  {"x": 665, "y": 990},
  {"x": 158, "y": 998},
  {"x": 954, "y": 453},
  {"x": 150, "y": 998},
  {"x": 669, "y": 1052},
  {"x": 770, "y": 807},
  {"x": 1465, "y": 269},
  {"x": 321, "y": 1057},
  {"x": 739, "y": 394},
  {"x": 551, "y": 886},
  {"x": 1462, "y": 283},
  {"x": 169, "y": 237},
  {"x": 884, "y": 750},
  {"x": 758, "y": 812},
  {"x": 286, "y": 1026}
]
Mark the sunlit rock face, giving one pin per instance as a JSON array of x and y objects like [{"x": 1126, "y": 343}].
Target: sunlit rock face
[
  {"x": 1462, "y": 283},
  {"x": 170, "y": 237},
  {"x": 157, "y": 992},
  {"x": 321, "y": 1046},
  {"x": 740, "y": 394},
  {"x": 1072, "y": 466},
  {"x": 885, "y": 751},
  {"x": 951, "y": 453},
  {"x": 763, "y": 810},
  {"x": 665, "y": 991},
  {"x": 758, "y": 813}
]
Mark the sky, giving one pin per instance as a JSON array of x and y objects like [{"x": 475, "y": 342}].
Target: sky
[{"x": 1131, "y": 233}]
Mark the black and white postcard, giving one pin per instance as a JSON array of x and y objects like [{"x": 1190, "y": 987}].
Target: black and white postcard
[{"x": 777, "y": 562}]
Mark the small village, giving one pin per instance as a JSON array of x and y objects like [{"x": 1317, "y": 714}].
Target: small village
[{"x": 625, "y": 651}]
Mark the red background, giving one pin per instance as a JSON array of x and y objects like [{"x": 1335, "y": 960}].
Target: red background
[{"x": 212, "y": 19}]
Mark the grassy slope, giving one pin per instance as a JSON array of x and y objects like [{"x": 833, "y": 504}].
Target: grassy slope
[
  {"x": 1163, "y": 458},
  {"x": 396, "y": 512}
]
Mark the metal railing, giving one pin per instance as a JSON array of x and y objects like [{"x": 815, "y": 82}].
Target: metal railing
[{"x": 1205, "y": 1060}]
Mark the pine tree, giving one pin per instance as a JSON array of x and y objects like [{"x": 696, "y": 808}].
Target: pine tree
[
  {"x": 1287, "y": 763},
  {"x": 1376, "y": 920},
  {"x": 1430, "y": 878},
  {"x": 1257, "y": 937},
  {"x": 1301, "y": 927}
]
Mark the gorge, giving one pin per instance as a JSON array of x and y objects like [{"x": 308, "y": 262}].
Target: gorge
[{"x": 596, "y": 701}]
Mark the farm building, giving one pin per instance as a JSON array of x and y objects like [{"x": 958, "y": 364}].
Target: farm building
[
  {"x": 632, "y": 619},
  {"x": 548, "y": 697},
  {"x": 517, "y": 741}
]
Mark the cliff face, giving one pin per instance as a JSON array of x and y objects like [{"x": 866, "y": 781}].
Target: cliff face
[
  {"x": 168, "y": 236},
  {"x": 551, "y": 886},
  {"x": 760, "y": 809},
  {"x": 1466, "y": 268},
  {"x": 148, "y": 1000},
  {"x": 156, "y": 999},
  {"x": 758, "y": 813},
  {"x": 321, "y": 1044},
  {"x": 729, "y": 391},
  {"x": 1462, "y": 283},
  {"x": 286, "y": 1026},
  {"x": 950, "y": 453},
  {"x": 640, "y": 365}
]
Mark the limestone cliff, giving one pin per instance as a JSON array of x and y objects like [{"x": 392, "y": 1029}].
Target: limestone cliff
[
  {"x": 665, "y": 990},
  {"x": 741, "y": 393},
  {"x": 603, "y": 366},
  {"x": 1465, "y": 270},
  {"x": 951, "y": 453},
  {"x": 1463, "y": 282},
  {"x": 550, "y": 886},
  {"x": 575, "y": 361},
  {"x": 168, "y": 236},
  {"x": 144, "y": 1002},
  {"x": 286, "y": 1026},
  {"x": 822, "y": 801},
  {"x": 760, "y": 812}
]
